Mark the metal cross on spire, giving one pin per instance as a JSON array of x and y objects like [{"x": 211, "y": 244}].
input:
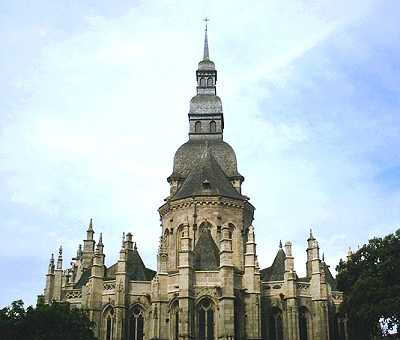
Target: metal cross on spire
[
  {"x": 206, "y": 20},
  {"x": 206, "y": 52}
]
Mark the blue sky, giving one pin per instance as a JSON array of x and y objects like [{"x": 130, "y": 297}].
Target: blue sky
[{"x": 94, "y": 104}]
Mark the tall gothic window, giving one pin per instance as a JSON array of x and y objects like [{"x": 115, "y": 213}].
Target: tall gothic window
[
  {"x": 213, "y": 127},
  {"x": 136, "y": 323},
  {"x": 303, "y": 323},
  {"x": 175, "y": 321},
  {"x": 203, "y": 82},
  {"x": 108, "y": 318},
  {"x": 197, "y": 126},
  {"x": 339, "y": 327},
  {"x": 238, "y": 319},
  {"x": 275, "y": 325},
  {"x": 209, "y": 82},
  {"x": 205, "y": 319}
]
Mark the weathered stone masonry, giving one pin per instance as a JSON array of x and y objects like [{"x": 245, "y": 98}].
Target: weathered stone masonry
[{"x": 208, "y": 284}]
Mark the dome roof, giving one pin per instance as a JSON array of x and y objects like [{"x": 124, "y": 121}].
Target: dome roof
[
  {"x": 206, "y": 104},
  {"x": 206, "y": 64},
  {"x": 189, "y": 155}
]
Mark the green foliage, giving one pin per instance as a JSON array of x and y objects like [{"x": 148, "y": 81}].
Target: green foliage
[
  {"x": 46, "y": 322},
  {"x": 370, "y": 280}
]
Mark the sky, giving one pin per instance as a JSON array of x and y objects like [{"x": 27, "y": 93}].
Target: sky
[{"x": 94, "y": 102}]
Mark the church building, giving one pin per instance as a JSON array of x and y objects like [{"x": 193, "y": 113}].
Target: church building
[{"x": 208, "y": 284}]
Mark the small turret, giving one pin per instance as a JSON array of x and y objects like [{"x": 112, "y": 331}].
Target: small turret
[
  {"x": 122, "y": 252},
  {"x": 90, "y": 231},
  {"x": 88, "y": 246},
  {"x": 98, "y": 261},
  {"x": 49, "y": 289},
  {"x": 312, "y": 252},
  {"x": 60, "y": 258},
  {"x": 100, "y": 245},
  {"x": 289, "y": 260},
  {"x": 58, "y": 277},
  {"x": 290, "y": 276},
  {"x": 128, "y": 243},
  {"x": 51, "y": 265}
]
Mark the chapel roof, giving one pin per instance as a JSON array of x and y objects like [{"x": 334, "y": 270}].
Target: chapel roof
[
  {"x": 136, "y": 270},
  {"x": 328, "y": 276},
  {"x": 277, "y": 270}
]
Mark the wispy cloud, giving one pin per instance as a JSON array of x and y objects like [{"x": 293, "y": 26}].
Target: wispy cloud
[{"x": 95, "y": 102}]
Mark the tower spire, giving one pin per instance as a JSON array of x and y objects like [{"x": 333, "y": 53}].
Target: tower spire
[{"x": 206, "y": 54}]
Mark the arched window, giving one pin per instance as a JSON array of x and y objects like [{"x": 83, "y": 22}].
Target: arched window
[
  {"x": 304, "y": 317},
  {"x": 275, "y": 325},
  {"x": 203, "y": 82},
  {"x": 108, "y": 320},
  {"x": 339, "y": 327},
  {"x": 197, "y": 127},
  {"x": 136, "y": 323},
  {"x": 175, "y": 320},
  {"x": 205, "y": 320},
  {"x": 238, "y": 319},
  {"x": 209, "y": 82},
  {"x": 213, "y": 127}
]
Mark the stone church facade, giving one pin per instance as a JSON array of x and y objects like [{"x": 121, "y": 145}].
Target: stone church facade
[{"x": 208, "y": 284}]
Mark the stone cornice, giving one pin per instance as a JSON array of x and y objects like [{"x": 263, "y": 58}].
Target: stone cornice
[{"x": 203, "y": 201}]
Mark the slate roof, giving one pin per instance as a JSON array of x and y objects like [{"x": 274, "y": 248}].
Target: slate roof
[
  {"x": 188, "y": 155},
  {"x": 277, "y": 270},
  {"x": 136, "y": 269},
  {"x": 329, "y": 277},
  {"x": 207, "y": 179},
  {"x": 83, "y": 279},
  {"x": 206, "y": 252}
]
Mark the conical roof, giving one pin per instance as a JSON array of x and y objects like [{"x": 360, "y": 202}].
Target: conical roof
[
  {"x": 136, "y": 270},
  {"x": 277, "y": 270}
]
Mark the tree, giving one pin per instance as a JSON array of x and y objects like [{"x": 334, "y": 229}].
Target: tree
[
  {"x": 370, "y": 281},
  {"x": 46, "y": 322}
]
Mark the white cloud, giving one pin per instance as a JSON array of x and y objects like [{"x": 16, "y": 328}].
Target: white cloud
[{"x": 107, "y": 108}]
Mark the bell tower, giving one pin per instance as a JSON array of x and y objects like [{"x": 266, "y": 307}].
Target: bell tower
[
  {"x": 206, "y": 119},
  {"x": 208, "y": 276}
]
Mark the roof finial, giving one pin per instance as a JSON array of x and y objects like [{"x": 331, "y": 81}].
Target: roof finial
[
  {"x": 101, "y": 239},
  {"x": 90, "y": 228},
  {"x": 206, "y": 55},
  {"x": 311, "y": 235},
  {"x": 280, "y": 244}
]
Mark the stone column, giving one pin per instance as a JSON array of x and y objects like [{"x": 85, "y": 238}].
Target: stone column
[
  {"x": 96, "y": 283},
  {"x": 292, "y": 325},
  {"x": 319, "y": 293},
  {"x": 58, "y": 278},
  {"x": 226, "y": 325},
  {"x": 252, "y": 285},
  {"x": 186, "y": 308},
  {"x": 121, "y": 288}
]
